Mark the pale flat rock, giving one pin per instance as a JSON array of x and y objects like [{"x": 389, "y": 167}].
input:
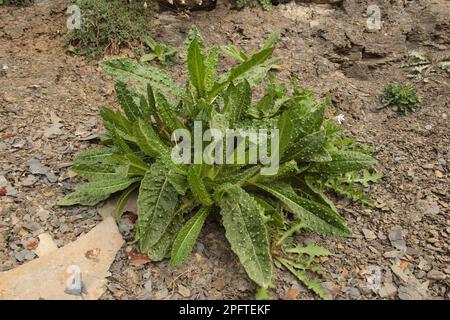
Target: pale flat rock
[
  {"x": 48, "y": 276},
  {"x": 109, "y": 206},
  {"x": 46, "y": 245}
]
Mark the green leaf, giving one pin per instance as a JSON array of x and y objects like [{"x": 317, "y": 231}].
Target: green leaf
[
  {"x": 178, "y": 181},
  {"x": 196, "y": 65},
  {"x": 210, "y": 68},
  {"x": 238, "y": 71},
  {"x": 235, "y": 53},
  {"x": 97, "y": 171},
  {"x": 90, "y": 194},
  {"x": 167, "y": 114},
  {"x": 162, "y": 248},
  {"x": 247, "y": 233},
  {"x": 271, "y": 41},
  {"x": 306, "y": 148},
  {"x": 343, "y": 161},
  {"x": 315, "y": 216},
  {"x": 198, "y": 188},
  {"x": 121, "y": 203},
  {"x": 114, "y": 121},
  {"x": 312, "y": 283},
  {"x": 96, "y": 155},
  {"x": 186, "y": 238},
  {"x": 238, "y": 100},
  {"x": 147, "y": 139},
  {"x": 312, "y": 250},
  {"x": 312, "y": 122},
  {"x": 126, "y": 102},
  {"x": 285, "y": 128},
  {"x": 156, "y": 206},
  {"x": 263, "y": 294},
  {"x": 126, "y": 70}
]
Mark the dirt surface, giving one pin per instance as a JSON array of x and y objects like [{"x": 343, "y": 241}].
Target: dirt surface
[{"x": 49, "y": 103}]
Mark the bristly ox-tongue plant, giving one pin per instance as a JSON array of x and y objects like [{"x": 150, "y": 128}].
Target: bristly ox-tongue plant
[{"x": 260, "y": 213}]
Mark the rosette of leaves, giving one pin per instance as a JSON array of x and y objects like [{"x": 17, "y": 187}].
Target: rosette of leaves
[
  {"x": 174, "y": 200},
  {"x": 403, "y": 98}
]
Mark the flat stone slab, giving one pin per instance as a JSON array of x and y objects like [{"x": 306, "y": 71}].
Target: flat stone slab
[{"x": 80, "y": 268}]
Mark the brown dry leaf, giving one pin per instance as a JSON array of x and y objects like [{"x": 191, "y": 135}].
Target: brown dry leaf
[
  {"x": 137, "y": 259},
  {"x": 131, "y": 217},
  {"x": 185, "y": 292},
  {"x": 92, "y": 254},
  {"x": 438, "y": 174},
  {"x": 32, "y": 244},
  {"x": 218, "y": 284},
  {"x": 291, "y": 294},
  {"x": 2, "y": 191}
]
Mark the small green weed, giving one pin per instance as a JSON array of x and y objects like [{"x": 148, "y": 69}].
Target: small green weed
[
  {"x": 402, "y": 98},
  {"x": 108, "y": 25}
]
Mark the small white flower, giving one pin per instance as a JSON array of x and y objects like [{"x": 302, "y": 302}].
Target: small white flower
[
  {"x": 339, "y": 118},
  {"x": 5, "y": 68},
  {"x": 145, "y": 5}
]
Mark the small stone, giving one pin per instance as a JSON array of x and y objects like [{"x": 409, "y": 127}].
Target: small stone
[
  {"x": 125, "y": 227},
  {"x": 36, "y": 167},
  {"x": 24, "y": 255},
  {"x": 413, "y": 291},
  {"x": 42, "y": 214},
  {"x": 63, "y": 228},
  {"x": 161, "y": 294},
  {"x": 433, "y": 210},
  {"x": 392, "y": 254},
  {"x": 331, "y": 288},
  {"x": 387, "y": 291},
  {"x": 354, "y": 292},
  {"x": 32, "y": 226},
  {"x": 436, "y": 275},
  {"x": 218, "y": 284},
  {"x": 395, "y": 234},
  {"x": 148, "y": 286},
  {"x": 29, "y": 180},
  {"x": 398, "y": 271},
  {"x": 369, "y": 234},
  {"x": 185, "y": 292}
]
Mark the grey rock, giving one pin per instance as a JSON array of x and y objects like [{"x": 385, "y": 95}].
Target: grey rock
[
  {"x": 148, "y": 286},
  {"x": 29, "y": 180},
  {"x": 63, "y": 228},
  {"x": 24, "y": 255},
  {"x": 125, "y": 227},
  {"x": 395, "y": 234},
  {"x": 413, "y": 291},
  {"x": 402, "y": 275},
  {"x": 369, "y": 234},
  {"x": 392, "y": 254},
  {"x": 42, "y": 214},
  {"x": 10, "y": 191},
  {"x": 36, "y": 167},
  {"x": 387, "y": 291},
  {"x": 354, "y": 292},
  {"x": 51, "y": 177},
  {"x": 433, "y": 210},
  {"x": 436, "y": 275},
  {"x": 32, "y": 226},
  {"x": 396, "y": 238}
]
